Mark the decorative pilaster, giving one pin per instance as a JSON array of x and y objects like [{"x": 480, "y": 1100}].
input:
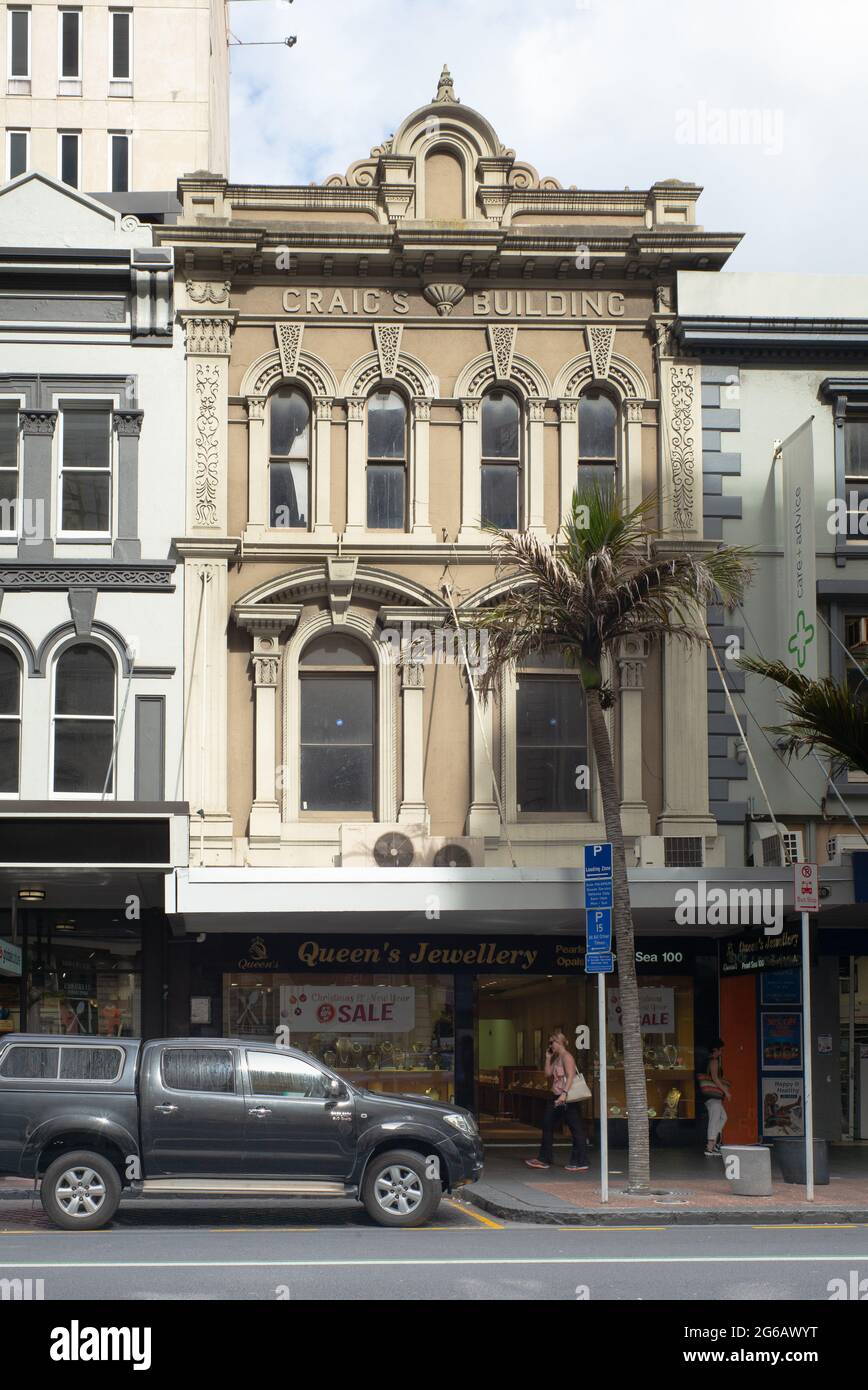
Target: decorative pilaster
[
  {"x": 471, "y": 467},
  {"x": 356, "y": 461},
  {"x": 535, "y": 516},
  {"x": 632, "y": 657},
  {"x": 37, "y": 431},
  {"x": 265, "y": 663},
  {"x": 206, "y": 742},
  {"x": 680, "y": 462},
  {"x": 419, "y": 485},
  {"x": 484, "y": 817},
  {"x": 208, "y": 342},
  {"x": 568, "y": 413},
  {"x": 413, "y": 809},
  {"x": 257, "y": 466},
  {"x": 128, "y": 428},
  {"x": 633, "y": 449},
  {"x": 685, "y": 741}
]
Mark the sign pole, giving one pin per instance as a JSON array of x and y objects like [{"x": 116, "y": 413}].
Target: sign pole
[
  {"x": 604, "y": 1088},
  {"x": 807, "y": 1045}
]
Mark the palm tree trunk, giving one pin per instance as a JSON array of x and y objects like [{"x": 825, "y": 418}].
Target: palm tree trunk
[{"x": 639, "y": 1172}]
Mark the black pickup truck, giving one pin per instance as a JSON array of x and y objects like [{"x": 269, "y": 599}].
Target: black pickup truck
[{"x": 217, "y": 1116}]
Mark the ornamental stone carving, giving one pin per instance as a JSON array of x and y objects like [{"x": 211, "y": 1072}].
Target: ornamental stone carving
[
  {"x": 208, "y": 335},
  {"x": 633, "y": 411},
  {"x": 536, "y": 409},
  {"x": 443, "y": 297},
  {"x": 445, "y": 89},
  {"x": 289, "y": 336},
  {"x": 412, "y": 675},
  {"x": 266, "y": 669},
  {"x": 128, "y": 423},
  {"x": 355, "y": 408},
  {"x": 501, "y": 340},
  {"x": 209, "y": 291},
  {"x": 256, "y": 407},
  {"x": 387, "y": 339},
  {"x": 601, "y": 341},
  {"x": 322, "y": 407},
  {"x": 470, "y": 409},
  {"x": 108, "y": 576},
  {"x": 569, "y": 412},
  {"x": 682, "y": 390},
  {"x": 38, "y": 421},
  {"x": 206, "y": 449},
  {"x": 421, "y": 408},
  {"x": 632, "y": 656}
]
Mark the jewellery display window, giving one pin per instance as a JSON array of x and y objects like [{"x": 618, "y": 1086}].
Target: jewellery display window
[{"x": 666, "y": 1005}]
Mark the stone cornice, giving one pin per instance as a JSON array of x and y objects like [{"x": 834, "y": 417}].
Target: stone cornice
[
  {"x": 147, "y": 575},
  {"x": 207, "y": 547}
]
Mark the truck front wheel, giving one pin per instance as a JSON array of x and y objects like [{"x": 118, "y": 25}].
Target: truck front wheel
[
  {"x": 397, "y": 1191},
  {"x": 81, "y": 1191}
]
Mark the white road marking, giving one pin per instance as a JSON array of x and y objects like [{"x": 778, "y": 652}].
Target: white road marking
[{"x": 482, "y": 1260}]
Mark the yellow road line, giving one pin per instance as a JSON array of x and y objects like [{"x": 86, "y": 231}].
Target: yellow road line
[
  {"x": 655, "y": 1227},
  {"x": 477, "y": 1216}
]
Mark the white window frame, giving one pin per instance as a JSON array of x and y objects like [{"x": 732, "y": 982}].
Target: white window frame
[
  {"x": 19, "y": 76},
  {"x": 67, "y": 402},
  {"x": 62, "y": 77},
  {"x": 15, "y": 533},
  {"x": 61, "y": 650},
  {"x": 16, "y": 718},
  {"x": 17, "y": 130},
  {"x": 61, "y": 136},
  {"x": 128, "y": 136},
  {"x": 118, "y": 81}
]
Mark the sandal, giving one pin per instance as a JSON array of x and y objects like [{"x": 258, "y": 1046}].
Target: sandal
[{"x": 576, "y": 1168}]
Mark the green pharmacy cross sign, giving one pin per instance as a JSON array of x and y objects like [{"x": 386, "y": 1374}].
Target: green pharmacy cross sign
[{"x": 801, "y": 639}]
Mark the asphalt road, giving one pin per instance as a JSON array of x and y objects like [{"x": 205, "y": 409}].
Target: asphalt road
[{"x": 175, "y": 1252}]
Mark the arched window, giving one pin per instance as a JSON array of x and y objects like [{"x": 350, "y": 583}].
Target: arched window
[
  {"x": 501, "y": 460},
  {"x": 10, "y": 721},
  {"x": 598, "y": 439},
  {"x": 551, "y": 737},
  {"x": 289, "y": 459},
  {"x": 337, "y": 679},
  {"x": 387, "y": 461},
  {"x": 84, "y": 720}
]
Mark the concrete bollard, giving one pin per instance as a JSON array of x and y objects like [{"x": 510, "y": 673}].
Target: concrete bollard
[{"x": 748, "y": 1169}]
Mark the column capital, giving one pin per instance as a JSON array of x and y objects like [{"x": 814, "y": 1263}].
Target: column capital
[
  {"x": 569, "y": 410},
  {"x": 356, "y": 408},
  {"x": 470, "y": 408},
  {"x": 38, "y": 421},
  {"x": 412, "y": 675},
  {"x": 536, "y": 409},
  {"x": 128, "y": 423},
  {"x": 266, "y": 669},
  {"x": 633, "y": 411},
  {"x": 256, "y": 406},
  {"x": 322, "y": 407},
  {"x": 208, "y": 335},
  {"x": 421, "y": 408}
]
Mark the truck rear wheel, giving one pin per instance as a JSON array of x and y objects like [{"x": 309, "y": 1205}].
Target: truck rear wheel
[
  {"x": 81, "y": 1191},
  {"x": 396, "y": 1190}
]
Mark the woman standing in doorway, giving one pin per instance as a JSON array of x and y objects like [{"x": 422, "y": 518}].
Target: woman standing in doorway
[
  {"x": 715, "y": 1089},
  {"x": 560, "y": 1067}
]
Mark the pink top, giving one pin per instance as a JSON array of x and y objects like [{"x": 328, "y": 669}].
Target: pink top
[{"x": 559, "y": 1077}]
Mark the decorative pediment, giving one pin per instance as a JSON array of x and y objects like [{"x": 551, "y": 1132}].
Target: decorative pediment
[{"x": 280, "y": 600}]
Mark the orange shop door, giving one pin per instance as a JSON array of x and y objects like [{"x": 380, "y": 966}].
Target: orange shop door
[{"x": 738, "y": 1030}]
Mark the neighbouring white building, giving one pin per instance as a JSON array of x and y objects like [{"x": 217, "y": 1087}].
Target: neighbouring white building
[
  {"x": 92, "y": 434},
  {"x": 115, "y": 99}
]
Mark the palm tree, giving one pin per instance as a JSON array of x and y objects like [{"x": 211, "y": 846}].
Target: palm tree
[
  {"x": 825, "y": 716},
  {"x": 608, "y": 575}
]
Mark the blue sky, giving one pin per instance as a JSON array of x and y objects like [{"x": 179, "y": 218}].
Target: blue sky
[{"x": 761, "y": 101}]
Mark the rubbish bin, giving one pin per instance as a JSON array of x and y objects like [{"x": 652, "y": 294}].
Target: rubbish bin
[
  {"x": 790, "y": 1154},
  {"x": 751, "y": 1173}
]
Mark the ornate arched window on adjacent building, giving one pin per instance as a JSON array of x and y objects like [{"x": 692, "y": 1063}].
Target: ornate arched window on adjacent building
[
  {"x": 337, "y": 727},
  {"x": 10, "y": 722},
  {"x": 387, "y": 461},
  {"x": 289, "y": 459},
  {"x": 551, "y": 738},
  {"x": 598, "y": 439},
  {"x": 501, "y": 460},
  {"x": 84, "y": 721}
]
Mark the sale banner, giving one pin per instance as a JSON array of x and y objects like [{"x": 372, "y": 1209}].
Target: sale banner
[{"x": 348, "y": 1008}]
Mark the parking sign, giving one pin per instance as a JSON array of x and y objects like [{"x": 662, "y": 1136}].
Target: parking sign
[{"x": 806, "y": 887}]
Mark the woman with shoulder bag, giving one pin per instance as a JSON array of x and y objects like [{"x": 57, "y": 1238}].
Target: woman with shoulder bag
[
  {"x": 715, "y": 1089},
  {"x": 568, "y": 1090}
]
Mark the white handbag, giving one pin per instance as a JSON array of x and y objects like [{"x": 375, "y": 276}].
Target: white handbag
[{"x": 579, "y": 1090}]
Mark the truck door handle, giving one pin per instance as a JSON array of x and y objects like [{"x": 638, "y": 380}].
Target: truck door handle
[
  {"x": 259, "y": 1111},
  {"x": 166, "y": 1109}
]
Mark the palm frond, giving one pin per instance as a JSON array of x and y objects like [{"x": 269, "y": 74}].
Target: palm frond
[{"x": 825, "y": 715}]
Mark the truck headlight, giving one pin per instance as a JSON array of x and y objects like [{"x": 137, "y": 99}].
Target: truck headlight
[{"x": 462, "y": 1122}]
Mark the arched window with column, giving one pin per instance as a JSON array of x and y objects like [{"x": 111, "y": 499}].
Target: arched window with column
[
  {"x": 337, "y": 725},
  {"x": 10, "y": 722},
  {"x": 387, "y": 461},
  {"x": 289, "y": 459},
  {"x": 501, "y": 460},
  {"x": 598, "y": 439},
  {"x": 85, "y": 713}
]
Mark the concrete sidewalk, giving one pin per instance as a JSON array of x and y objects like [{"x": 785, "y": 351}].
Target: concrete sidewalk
[{"x": 686, "y": 1188}]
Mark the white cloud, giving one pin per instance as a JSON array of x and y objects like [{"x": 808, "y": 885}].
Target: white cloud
[{"x": 592, "y": 92}]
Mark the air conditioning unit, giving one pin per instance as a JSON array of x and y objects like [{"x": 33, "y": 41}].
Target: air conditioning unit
[
  {"x": 650, "y": 852},
  {"x": 765, "y": 845},
  {"x": 454, "y": 852},
  {"x": 683, "y": 851},
  {"x": 373, "y": 845},
  {"x": 857, "y": 635},
  {"x": 838, "y": 846}
]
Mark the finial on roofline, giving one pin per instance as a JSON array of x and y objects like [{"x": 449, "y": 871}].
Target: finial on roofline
[{"x": 445, "y": 90}]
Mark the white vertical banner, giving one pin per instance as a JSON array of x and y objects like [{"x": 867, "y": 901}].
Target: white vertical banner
[{"x": 799, "y": 617}]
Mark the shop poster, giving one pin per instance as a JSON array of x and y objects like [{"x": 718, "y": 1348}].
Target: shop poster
[
  {"x": 781, "y": 987},
  {"x": 313, "y": 1008},
  {"x": 781, "y": 1041},
  {"x": 783, "y": 1107}
]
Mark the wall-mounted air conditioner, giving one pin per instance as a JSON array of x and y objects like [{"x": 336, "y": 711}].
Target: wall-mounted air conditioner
[
  {"x": 765, "y": 845},
  {"x": 372, "y": 845},
  {"x": 454, "y": 852},
  {"x": 841, "y": 846}
]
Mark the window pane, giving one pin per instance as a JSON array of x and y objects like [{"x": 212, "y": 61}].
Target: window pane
[
  {"x": 31, "y": 1063},
  {"x": 386, "y": 420},
  {"x": 120, "y": 164},
  {"x": 69, "y": 160},
  {"x": 192, "y": 1069},
  {"x": 288, "y": 483},
  {"x": 9, "y": 754},
  {"x": 69, "y": 22},
  {"x": 598, "y": 418},
  {"x": 8, "y": 437},
  {"x": 86, "y": 439},
  {"x": 337, "y": 779},
  {"x": 550, "y": 712},
  {"x": 337, "y": 709},
  {"x": 82, "y": 754},
  {"x": 500, "y": 495},
  {"x": 90, "y": 1063},
  {"x": 20, "y": 62},
  {"x": 546, "y": 779},
  {"x": 273, "y": 1075},
  {"x": 500, "y": 421},
  {"x": 386, "y": 497},
  {"x": 857, "y": 508},
  {"x": 10, "y": 681},
  {"x": 8, "y": 498},
  {"x": 856, "y": 447},
  {"x": 597, "y": 475},
  {"x": 335, "y": 650},
  {"x": 120, "y": 45},
  {"x": 17, "y": 153},
  {"x": 551, "y": 744},
  {"x": 85, "y": 681},
  {"x": 86, "y": 499},
  {"x": 290, "y": 419}
]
